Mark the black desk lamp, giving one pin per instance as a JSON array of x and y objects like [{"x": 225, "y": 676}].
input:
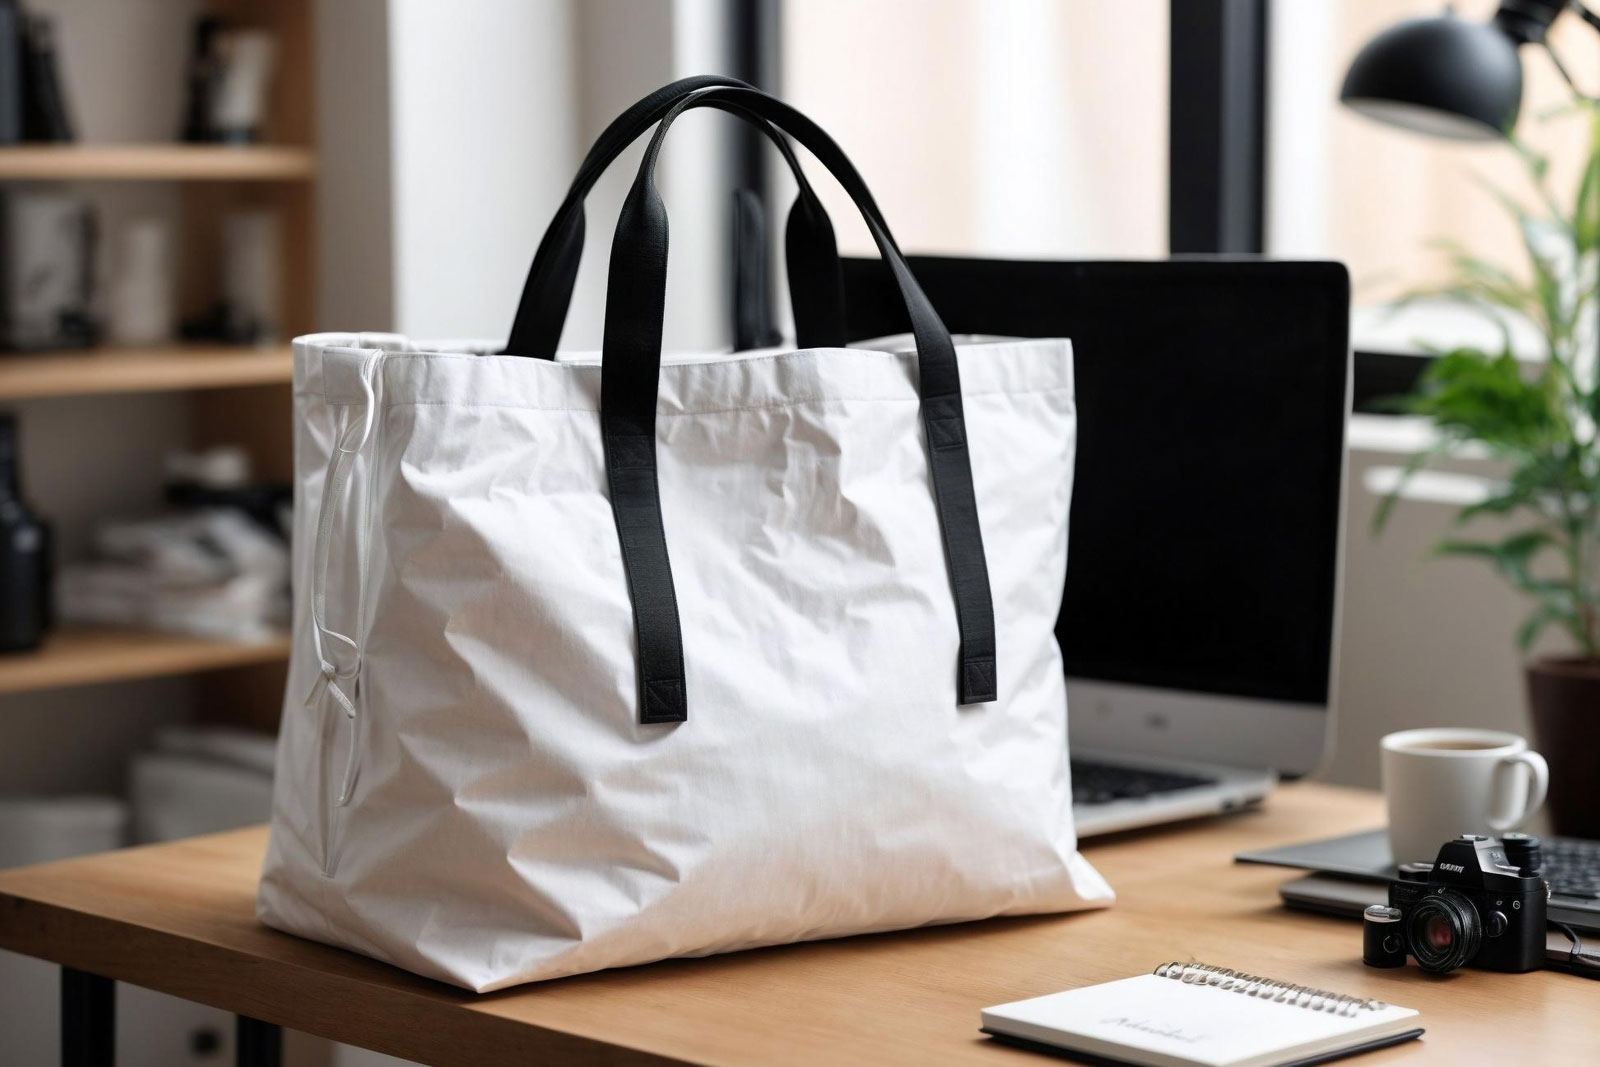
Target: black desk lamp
[{"x": 1452, "y": 78}]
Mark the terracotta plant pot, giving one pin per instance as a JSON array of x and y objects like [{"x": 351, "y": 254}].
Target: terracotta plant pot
[{"x": 1564, "y": 696}]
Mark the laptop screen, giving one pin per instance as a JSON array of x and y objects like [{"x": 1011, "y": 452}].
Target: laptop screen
[{"x": 1212, "y": 401}]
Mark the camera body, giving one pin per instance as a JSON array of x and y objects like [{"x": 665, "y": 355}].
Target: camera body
[{"x": 1472, "y": 908}]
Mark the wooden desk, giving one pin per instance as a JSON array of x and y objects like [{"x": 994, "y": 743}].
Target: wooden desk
[{"x": 179, "y": 918}]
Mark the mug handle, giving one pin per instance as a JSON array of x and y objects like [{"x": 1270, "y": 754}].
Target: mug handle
[{"x": 1538, "y": 784}]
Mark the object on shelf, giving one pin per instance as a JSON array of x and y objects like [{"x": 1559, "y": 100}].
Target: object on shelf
[
  {"x": 268, "y": 505},
  {"x": 47, "y": 243},
  {"x": 223, "y": 467},
  {"x": 141, "y": 311},
  {"x": 24, "y": 555},
  {"x": 230, "y": 72},
  {"x": 250, "y": 309},
  {"x": 239, "y": 105},
  {"x": 230, "y": 746},
  {"x": 12, "y": 27},
  {"x": 212, "y": 573},
  {"x": 45, "y": 116},
  {"x": 40, "y": 829},
  {"x": 251, "y": 258},
  {"x": 220, "y": 478},
  {"x": 201, "y": 780},
  {"x": 202, "y": 80}
]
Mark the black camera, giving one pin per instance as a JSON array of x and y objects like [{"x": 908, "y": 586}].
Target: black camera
[{"x": 1474, "y": 906}]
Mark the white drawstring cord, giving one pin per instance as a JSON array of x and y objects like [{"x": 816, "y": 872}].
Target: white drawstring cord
[{"x": 329, "y": 675}]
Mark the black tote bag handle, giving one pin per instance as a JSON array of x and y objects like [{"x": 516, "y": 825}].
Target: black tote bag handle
[
  {"x": 816, "y": 285},
  {"x": 630, "y": 373},
  {"x": 752, "y": 305}
]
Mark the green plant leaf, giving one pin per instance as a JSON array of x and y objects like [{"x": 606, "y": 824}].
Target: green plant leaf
[
  {"x": 1472, "y": 395},
  {"x": 1492, "y": 283},
  {"x": 1585, "y": 218},
  {"x": 1499, "y": 504},
  {"x": 1511, "y": 557},
  {"x": 1538, "y": 166},
  {"x": 1536, "y": 623},
  {"x": 1532, "y": 484},
  {"x": 1380, "y": 517},
  {"x": 1586, "y": 199},
  {"x": 1538, "y": 422}
]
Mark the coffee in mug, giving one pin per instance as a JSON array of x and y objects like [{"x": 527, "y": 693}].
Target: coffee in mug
[{"x": 1442, "y": 782}]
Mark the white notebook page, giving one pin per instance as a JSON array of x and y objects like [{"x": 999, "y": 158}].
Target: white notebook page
[{"x": 1162, "y": 1022}]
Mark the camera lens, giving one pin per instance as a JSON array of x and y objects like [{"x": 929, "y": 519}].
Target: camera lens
[{"x": 1444, "y": 931}]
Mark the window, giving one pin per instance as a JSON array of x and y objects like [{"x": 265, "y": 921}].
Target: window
[
  {"x": 1024, "y": 128},
  {"x": 1343, "y": 186}
]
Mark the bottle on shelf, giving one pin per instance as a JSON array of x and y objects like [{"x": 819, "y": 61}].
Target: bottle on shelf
[
  {"x": 25, "y": 555},
  {"x": 141, "y": 300},
  {"x": 45, "y": 116},
  {"x": 11, "y": 72},
  {"x": 202, "y": 79}
]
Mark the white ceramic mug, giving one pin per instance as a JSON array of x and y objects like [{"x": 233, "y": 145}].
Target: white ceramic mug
[{"x": 1443, "y": 782}]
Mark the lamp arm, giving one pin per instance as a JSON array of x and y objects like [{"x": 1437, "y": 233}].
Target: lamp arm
[
  {"x": 1561, "y": 68},
  {"x": 1566, "y": 76},
  {"x": 1588, "y": 16}
]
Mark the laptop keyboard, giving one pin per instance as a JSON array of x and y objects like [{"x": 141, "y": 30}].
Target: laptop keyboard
[
  {"x": 1572, "y": 866},
  {"x": 1101, "y": 783}
]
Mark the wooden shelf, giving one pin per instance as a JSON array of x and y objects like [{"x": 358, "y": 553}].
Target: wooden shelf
[
  {"x": 155, "y": 162},
  {"x": 141, "y": 370},
  {"x": 76, "y": 655}
]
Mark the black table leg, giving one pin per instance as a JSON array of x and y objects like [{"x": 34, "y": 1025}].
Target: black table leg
[
  {"x": 258, "y": 1044},
  {"x": 88, "y": 1019}
]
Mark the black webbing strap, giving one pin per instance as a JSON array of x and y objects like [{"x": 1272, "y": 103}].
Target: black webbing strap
[
  {"x": 753, "y": 325},
  {"x": 816, "y": 284},
  {"x": 630, "y": 371}
]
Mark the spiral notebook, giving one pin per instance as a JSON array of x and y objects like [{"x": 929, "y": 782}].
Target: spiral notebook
[{"x": 1196, "y": 1015}]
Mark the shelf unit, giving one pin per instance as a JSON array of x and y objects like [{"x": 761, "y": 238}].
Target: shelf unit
[{"x": 245, "y": 398}]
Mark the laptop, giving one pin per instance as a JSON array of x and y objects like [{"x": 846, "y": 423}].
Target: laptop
[
  {"x": 1199, "y": 618},
  {"x": 1358, "y": 867}
]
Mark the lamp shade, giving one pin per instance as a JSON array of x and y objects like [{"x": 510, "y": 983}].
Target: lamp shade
[{"x": 1442, "y": 76}]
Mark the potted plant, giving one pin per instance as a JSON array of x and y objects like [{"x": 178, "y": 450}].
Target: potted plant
[{"x": 1538, "y": 421}]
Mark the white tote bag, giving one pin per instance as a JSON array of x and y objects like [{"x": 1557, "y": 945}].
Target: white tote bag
[{"x": 602, "y": 662}]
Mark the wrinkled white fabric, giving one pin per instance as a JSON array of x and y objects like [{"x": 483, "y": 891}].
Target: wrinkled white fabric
[{"x": 508, "y": 817}]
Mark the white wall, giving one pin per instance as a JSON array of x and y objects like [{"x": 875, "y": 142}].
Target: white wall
[
  {"x": 1424, "y": 641},
  {"x": 490, "y": 105},
  {"x": 1301, "y": 89},
  {"x": 626, "y": 49},
  {"x": 693, "y": 172},
  {"x": 483, "y": 135},
  {"x": 355, "y": 202}
]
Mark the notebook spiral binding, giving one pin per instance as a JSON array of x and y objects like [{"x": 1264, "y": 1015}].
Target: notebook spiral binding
[{"x": 1253, "y": 985}]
